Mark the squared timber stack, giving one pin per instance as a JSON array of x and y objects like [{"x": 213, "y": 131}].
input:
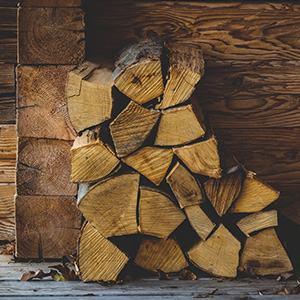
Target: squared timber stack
[
  {"x": 250, "y": 90},
  {"x": 51, "y": 42}
]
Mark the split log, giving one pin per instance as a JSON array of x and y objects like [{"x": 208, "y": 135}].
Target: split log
[
  {"x": 160, "y": 255},
  {"x": 254, "y": 196},
  {"x": 178, "y": 126},
  {"x": 7, "y": 229},
  {"x": 110, "y": 205},
  {"x": 89, "y": 93},
  {"x": 186, "y": 67},
  {"x": 8, "y": 171},
  {"x": 218, "y": 255},
  {"x": 199, "y": 221},
  {"x": 152, "y": 162},
  {"x": 184, "y": 186},
  {"x": 7, "y": 202},
  {"x": 158, "y": 215},
  {"x": 91, "y": 159},
  {"x": 222, "y": 192},
  {"x": 131, "y": 127},
  {"x": 264, "y": 254},
  {"x": 98, "y": 258},
  {"x": 138, "y": 74},
  {"x": 8, "y": 142},
  {"x": 201, "y": 158},
  {"x": 258, "y": 222},
  {"x": 51, "y": 35},
  {"x": 46, "y": 227}
]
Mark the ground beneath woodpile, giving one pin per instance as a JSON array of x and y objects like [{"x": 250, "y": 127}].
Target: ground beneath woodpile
[{"x": 151, "y": 288}]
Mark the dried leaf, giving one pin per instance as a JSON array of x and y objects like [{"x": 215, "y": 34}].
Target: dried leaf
[
  {"x": 162, "y": 275},
  {"x": 209, "y": 295},
  {"x": 294, "y": 291},
  {"x": 110, "y": 282},
  {"x": 284, "y": 276},
  {"x": 67, "y": 274},
  {"x": 38, "y": 274},
  {"x": 187, "y": 275},
  {"x": 249, "y": 272}
]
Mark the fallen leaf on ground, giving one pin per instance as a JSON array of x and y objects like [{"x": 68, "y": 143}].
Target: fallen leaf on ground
[
  {"x": 187, "y": 275},
  {"x": 209, "y": 295},
  {"x": 67, "y": 274},
  {"x": 162, "y": 275},
  {"x": 284, "y": 276},
  {"x": 294, "y": 291},
  {"x": 38, "y": 274}
]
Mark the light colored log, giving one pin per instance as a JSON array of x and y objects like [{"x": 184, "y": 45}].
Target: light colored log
[
  {"x": 89, "y": 93},
  {"x": 200, "y": 222},
  {"x": 223, "y": 191},
  {"x": 258, "y": 221},
  {"x": 152, "y": 162},
  {"x": 160, "y": 254},
  {"x": 201, "y": 158},
  {"x": 254, "y": 196},
  {"x": 178, "y": 126},
  {"x": 7, "y": 202},
  {"x": 131, "y": 128},
  {"x": 264, "y": 254},
  {"x": 138, "y": 74},
  {"x": 110, "y": 205},
  {"x": 186, "y": 67},
  {"x": 91, "y": 158},
  {"x": 8, "y": 142},
  {"x": 158, "y": 215},
  {"x": 98, "y": 258},
  {"x": 184, "y": 186},
  {"x": 218, "y": 255}
]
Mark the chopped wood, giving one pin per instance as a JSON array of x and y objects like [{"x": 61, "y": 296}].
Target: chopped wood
[
  {"x": 218, "y": 255},
  {"x": 264, "y": 253},
  {"x": 8, "y": 171},
  {"x": 201, "y": 158},
  {"x": 8, "y": 142},
  {"x": 110, "y": 205},
  {"x": 131, "y": 128},
  {"x": 7, "y": 200},
  {"x": 89, "y": 93},
  {"x": 178, "y": 126},
  {"x": 254, "y": 196},
  {"x": 199, "y": 221},
  {"x": 138, "y": 74},
  {"x": 258, "y": 221},
  {"x": 51, "y": 35},
  {"x": 7, "y": 229},
  {"x": 222, "y": 192},
  {"x": 158, "y": 215},
  {"x": 46, "y": 227},
  {"x": 98, "y": 258},
  {"x": 152, "y": 162},
  {"x": 184, "y": 186},
  {"x": 186, "y": 67},
  {"x": 160, "y": 254},
  {"x": 91, "y": 159}
]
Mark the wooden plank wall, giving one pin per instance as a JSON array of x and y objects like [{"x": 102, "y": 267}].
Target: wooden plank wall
[
  {"x": 8, "y": 136},
  {"x": 251, "y": 86},
  {"x": 51, "y": 43}
]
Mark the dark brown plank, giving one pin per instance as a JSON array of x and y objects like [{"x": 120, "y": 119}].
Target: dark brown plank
[
  {"x": 8, "y": 34},
  {"x": 42, "y": 110},
  {"x": 44, "y": 167},
  {"x": 46, "y": 227},
  {"x": 9, "y": 3},
  {"x": 7, "y": 229},
  {"x": 272, "y": 153},
  {"x": 51, "y": 36},
  {"x": 50, "y": 3},
  {"x": 224, "y": 30}
]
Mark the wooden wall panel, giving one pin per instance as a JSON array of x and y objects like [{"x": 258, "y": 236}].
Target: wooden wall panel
[{"x": 224, "y": 30}]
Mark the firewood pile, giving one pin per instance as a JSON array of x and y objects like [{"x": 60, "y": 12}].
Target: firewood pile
[{"x": 149, "y": 166}]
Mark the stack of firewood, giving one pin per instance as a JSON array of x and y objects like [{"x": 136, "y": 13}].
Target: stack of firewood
[{"x": 149, "y": 165}]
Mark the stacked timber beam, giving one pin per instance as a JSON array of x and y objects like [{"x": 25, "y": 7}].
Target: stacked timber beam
[
  {"x": 149, "y": 166},
  {"x": 51, "y": 43}
]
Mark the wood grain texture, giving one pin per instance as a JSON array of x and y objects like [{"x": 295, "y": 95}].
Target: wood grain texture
[
  {"x": 7, "y": 202},
  {"x": 8, "y": 171},
  {"x": 251, "y": 94},
  {"x": 41, "y": 102},
  {"x": 8, "y": 34},
  {"x": 272, "y": 154},
  {"x": 231, "y": 30},
  {"x": 7, "y": 229},
  {"x": 7, "y": 94},
  {"x": 51, "y": 36},
  {"x": 44, "y": 167},
  {"x": 8, "y": 142},
  {"x": 46, "y": 227},
  {"x": 50, "y": 3},
  {"x": 98, "y": 258}
]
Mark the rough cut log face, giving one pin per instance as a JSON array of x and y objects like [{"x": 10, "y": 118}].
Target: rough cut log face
[{"x": 146, "y": 139}]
